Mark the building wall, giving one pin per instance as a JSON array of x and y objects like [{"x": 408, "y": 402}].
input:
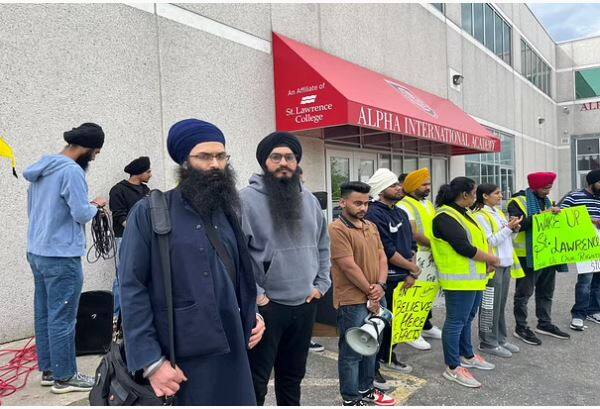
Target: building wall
[{"x": 136, "y": 73}]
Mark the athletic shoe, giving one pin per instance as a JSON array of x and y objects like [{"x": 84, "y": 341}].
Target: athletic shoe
[
  {"x": 461, "y": 376},
  {"x": 358, "y": 402},
  {"x": 47, "y": 378},
  {"x": 511, "y": 347},
  {"x": 577, "y": 324},
  {"x": 594, "y": 318},
  {"x": 380, "y": 382},
  {"x": 526, "y": 335},
  {"x": 553, "y": 331},
  {"x": 498, "y": 351},
  {"x": 78, "y": 383},
  {"x": 316, "y": 347},
  {"x": 434, "y": 333},
  {"x": 420, "y": 344},
  {"x": 477, "y": 362},
  {"x": 398, "y": 366},
  {"x": 378, "y": 397}
]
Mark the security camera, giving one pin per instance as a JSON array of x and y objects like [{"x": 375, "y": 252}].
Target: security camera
[
  {"x": 566, "y": 110},
  {"x": 541, "y": 120},
  {"x": 457, "y": 79}
]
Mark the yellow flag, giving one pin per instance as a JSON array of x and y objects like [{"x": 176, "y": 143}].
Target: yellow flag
[{"x": 7, "y": 152}]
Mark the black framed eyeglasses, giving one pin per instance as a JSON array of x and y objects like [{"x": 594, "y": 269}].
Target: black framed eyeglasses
[{"x": 209, "y": 157}]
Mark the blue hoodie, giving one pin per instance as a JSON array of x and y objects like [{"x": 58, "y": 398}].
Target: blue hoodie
[{"x": 58, "y": 207}]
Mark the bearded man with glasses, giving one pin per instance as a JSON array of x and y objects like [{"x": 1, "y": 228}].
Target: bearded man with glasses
[{"x": 289, "y": 246}]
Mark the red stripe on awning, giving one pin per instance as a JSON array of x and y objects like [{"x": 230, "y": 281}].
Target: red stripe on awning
[{"x": 314, "y": 89}]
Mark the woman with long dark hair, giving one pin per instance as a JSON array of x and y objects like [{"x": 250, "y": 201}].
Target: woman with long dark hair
[
  {"x": 498, "y": 231},
  {"x": 461, "y": 254}
]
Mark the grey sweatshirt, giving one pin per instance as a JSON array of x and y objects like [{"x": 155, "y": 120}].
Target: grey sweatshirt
[{"x": 286, "y": 266}]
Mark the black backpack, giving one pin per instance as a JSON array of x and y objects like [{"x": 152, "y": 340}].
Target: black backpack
[{"x": 115, "y": 385}]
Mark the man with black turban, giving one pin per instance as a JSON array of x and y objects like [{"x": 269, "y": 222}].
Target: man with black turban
[
  {"x": 214, "y": 292},
  {"x": 122, "y": 197},
  {"x": 58, "y": 209},
  {"x": 289, "y": 245}
]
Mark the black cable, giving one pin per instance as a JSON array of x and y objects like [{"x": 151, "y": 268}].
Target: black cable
[{"x": 103, "y": 238}]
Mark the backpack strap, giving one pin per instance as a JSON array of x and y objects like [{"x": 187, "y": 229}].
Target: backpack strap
[
  {"x": 161, "y": 225},
  {"x": 214, "y": 239}
]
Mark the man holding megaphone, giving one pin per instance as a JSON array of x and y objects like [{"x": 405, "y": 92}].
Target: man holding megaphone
[{"x": 359, "y": 271}]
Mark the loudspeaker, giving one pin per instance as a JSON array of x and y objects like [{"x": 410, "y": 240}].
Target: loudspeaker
[
  {"x": 365, "y": 340},
  {"x": 93, "y": 331}
]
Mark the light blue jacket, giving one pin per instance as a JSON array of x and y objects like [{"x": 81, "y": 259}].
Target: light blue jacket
[{"x": 58, "y": 207}]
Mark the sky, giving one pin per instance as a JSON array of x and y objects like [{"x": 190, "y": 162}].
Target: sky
[{"x": 568, "y": 21}]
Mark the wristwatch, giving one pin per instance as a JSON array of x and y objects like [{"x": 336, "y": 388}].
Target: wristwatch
[{"x": 383, "y": 285}]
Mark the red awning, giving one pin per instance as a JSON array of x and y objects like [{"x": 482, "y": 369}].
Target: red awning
[{"x": 314, "y": 89}]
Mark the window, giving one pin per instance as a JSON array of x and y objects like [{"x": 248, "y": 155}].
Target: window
[
  {"x": 439, "y": 6},
  {"x": 587, "y": 83},
  {"x": 497, "y": 168},
  {"x": 484, "y": 23},
  {"x": 535, "y": 69},
  {"x": 587, "y": 158}
]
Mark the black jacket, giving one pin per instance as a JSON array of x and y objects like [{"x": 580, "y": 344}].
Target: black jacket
[{"x": 122, "y": 197}]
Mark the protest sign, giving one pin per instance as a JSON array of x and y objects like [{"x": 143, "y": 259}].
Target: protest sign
[
  {"x": 567, "y": 237},
  {"x": 427, "y": 266},
  {"x": 410, "y": 309}
]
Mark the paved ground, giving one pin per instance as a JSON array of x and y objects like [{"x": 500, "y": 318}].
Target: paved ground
[{"x": 557, "y": 373}]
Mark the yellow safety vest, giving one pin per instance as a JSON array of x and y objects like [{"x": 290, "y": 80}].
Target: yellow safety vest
[
  {"x": 516, "y": 271},
  {"x": 520, "y": 241},
  {"x": 456, "y": 272},
  {"x": 423, "y": 215}
]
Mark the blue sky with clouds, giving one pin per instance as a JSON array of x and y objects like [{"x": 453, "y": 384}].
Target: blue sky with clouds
[{"x": 568, "y": 21}]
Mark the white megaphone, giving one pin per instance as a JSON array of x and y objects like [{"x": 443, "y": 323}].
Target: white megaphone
[{"x": 365, "y": 340}]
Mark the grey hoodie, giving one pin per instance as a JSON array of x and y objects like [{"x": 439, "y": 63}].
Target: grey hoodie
[{"x": 286, "y": 267}]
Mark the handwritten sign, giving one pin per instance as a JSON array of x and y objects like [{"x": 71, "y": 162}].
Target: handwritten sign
[
  {"x": 567, "y": 237},
  {"x": 410, "y": 309},
  {"x": 427, "y": 266}
]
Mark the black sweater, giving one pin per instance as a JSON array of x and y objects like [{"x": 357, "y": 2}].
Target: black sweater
[
  {"x": 445, "y": 227},
  {"x": 122, "y": 197}
]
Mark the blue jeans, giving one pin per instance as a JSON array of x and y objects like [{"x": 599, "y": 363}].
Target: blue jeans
[
  {"x": 115, "y": 289},
  {"x": 461, "y": 308},
  {"x": 58, "y": 283},
  {"x": 587, "y": 295},
  {"x": 356, "y": 372}
]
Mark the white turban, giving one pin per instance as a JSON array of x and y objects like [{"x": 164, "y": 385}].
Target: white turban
[{"x": 381, "y": 180}]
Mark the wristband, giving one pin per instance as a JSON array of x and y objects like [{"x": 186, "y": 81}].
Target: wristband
[{"x": 383, "y": 285}]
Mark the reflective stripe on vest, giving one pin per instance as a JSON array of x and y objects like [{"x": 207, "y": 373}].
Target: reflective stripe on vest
[
  {"x": 520, "y": 241},
  {"x": 451, "y": 265},
  {"x": 423, "y": 217},
  {"x": 516, "y": 271}
]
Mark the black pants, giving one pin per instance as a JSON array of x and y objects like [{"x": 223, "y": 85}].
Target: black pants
[
  {"x": 284, "y": 346},
  {"x": 542, "y": 282}
]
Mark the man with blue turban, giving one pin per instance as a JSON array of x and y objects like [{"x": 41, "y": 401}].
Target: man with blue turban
[{"x": 215, "y": 309}]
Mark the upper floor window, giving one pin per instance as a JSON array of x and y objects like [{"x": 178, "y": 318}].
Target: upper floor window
[
  {"x": 587, "y": 83},
  {"x": 484, "y": 23},
  {"x": 535, "y": 69},
  {"x": 440, "y": 6}
]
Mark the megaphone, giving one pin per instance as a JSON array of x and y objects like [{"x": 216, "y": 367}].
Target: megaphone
[{"x": 365, "y": 340}]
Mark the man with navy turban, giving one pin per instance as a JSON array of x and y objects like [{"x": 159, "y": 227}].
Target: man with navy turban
[{"x": 214, "y": 298}]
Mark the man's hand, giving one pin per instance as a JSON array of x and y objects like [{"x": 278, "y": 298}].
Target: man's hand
[
  {"x": 554, "y": 210},
  {"x": 596, "y": 223},
  {"x": 515, "y": 223},
  {"x": 257, "y": 332},
  {"x": 374, "y": 307},
  {"x": 376, "y": 292},
  {"x": 315, "y": 294},
  {"x": 165, "y": 381},
  {"x": 494, "y": 261},
  {"x": 262, "y": 300},
  {"x": 99, "y": 202},
  {"x": 409, "y": 281}
]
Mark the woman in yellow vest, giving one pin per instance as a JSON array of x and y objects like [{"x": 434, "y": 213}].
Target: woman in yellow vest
[
  {"x": 461, "y": 254},
  {"x": 498, "y": 231}
]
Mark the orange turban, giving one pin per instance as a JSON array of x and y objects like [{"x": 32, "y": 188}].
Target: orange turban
[{"x": 415, "y": 179}]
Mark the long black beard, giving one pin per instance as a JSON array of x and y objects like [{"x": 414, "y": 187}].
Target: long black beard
[
  {"x": 284, "y": 198},
  {"x": 84, "y": 161},
  {"x": 208, "y": 191}
]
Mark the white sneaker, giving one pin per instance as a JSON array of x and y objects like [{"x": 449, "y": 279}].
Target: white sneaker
[
  {"x": 462, "y": 376},
  {"x": 577, "y": 324},
  {"x": 420, "y": 344},
  {"x": 594, "y": 318},
  {"x": 477, "y": 362},
  {"x": 434, "y": 333}
]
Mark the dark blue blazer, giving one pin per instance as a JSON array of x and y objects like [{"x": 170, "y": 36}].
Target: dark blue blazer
[{"x": 198, "y": 328}]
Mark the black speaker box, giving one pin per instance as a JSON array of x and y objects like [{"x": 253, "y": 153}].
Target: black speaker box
[{"x": 93, "y": 331}]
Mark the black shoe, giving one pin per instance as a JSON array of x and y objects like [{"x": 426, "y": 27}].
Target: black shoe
[
  {"x": 316, "y": 347},
  {"x": 553, "y": 331},
  {"x": 47, "y": 378},
  {"x": 527, "y": 336},
  {"x": 358, "y": 402},
  {"x": 380, "y": 382}
]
